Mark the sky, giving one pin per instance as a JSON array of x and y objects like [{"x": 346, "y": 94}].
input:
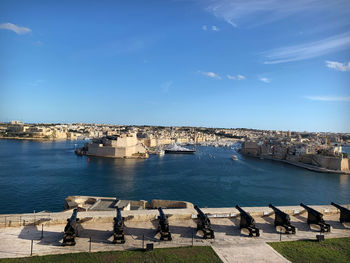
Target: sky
[{"x": 264, "y": 64}]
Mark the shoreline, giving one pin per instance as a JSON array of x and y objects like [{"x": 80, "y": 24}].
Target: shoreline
[
  {"x": 33, "y": 139},
  {"x": 302, "y": 165}
]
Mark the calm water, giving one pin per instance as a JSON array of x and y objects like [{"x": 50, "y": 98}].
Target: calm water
[{"x": 38, "y": 176}]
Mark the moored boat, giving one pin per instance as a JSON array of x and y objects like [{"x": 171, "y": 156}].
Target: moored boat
[{"x": 178, "y": 149}]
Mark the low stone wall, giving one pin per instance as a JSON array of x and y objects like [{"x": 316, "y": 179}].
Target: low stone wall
[
  {"x": 171, "y": 204},
  {"x": 150, "y": 215}
]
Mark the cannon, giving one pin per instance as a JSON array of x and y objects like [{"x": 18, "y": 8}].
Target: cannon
[
  {"x": 282, "y": 220},
  {"x": 163, "y": 226},
  {"x": 118, "y": 228},
  {"x": 71, "y": 229},
  {"x": 248, "y": 222},
  {"x": 316, "y": 218},
  {"x": 344, "y": 213},
  {"x": 203, "y": 224}
]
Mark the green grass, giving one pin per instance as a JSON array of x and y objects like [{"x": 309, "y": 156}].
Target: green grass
[
  {"x": 181, "y": 254},
  {"x": 330, "y": 250}
]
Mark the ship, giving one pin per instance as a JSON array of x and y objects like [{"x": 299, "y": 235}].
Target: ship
[
  {"x": 234, "y": 157},
  {"x": 178, "y": 149}
]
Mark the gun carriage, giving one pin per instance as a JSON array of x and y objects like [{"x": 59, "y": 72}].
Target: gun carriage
[
  {"x": 316, "y": 218},
  {"x": 71, "y": 229},
  {"x": 118, "y": 228},
  {"x": 163, "y": 226},
  {"x": 247, "y": 222},
  {"x": 203, "y": 224},
  {"x": 344, "y": 213},
  {"x": 282, "y": 220}
]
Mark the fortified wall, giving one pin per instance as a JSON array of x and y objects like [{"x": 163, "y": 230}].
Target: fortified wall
[{"x": 125, "y": 146}]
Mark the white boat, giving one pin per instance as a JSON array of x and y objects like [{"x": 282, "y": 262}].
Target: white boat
[
  {"x": 234, "y": 157},
  {"x": 178, "y": 149},
  {"x": 160, "y": 152}
]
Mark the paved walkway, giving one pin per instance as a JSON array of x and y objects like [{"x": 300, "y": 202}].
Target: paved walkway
[{"x": 254, "y": 251}]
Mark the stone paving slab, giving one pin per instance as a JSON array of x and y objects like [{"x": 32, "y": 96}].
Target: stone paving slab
[
  {"x": 229, "y": 243},
  {"x": 248, "y": 252}
]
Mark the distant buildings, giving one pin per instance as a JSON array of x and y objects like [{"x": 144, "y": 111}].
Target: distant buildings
[{"x": 314, "y": 151}]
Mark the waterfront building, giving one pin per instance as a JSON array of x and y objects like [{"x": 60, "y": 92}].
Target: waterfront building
[{"x": 124, "y": 146}]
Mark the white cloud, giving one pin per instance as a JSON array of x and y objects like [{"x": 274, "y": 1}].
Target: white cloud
[
  {"x": 307, "y": 50},
  {"x": 20, "y": 30},
  {"x": 240, "y": 12},
  {"x": 213, "y": 28},
  {"x": 210, "y": 74},
  {"x": 165, "y": 86},
  {"x": 36, "y": 82},
  {"x": 266, "y": 80},
  {"x": 326, "y": 98},
  {"x": 338, "y": 65},
  {"x": 238, "y": 77}
]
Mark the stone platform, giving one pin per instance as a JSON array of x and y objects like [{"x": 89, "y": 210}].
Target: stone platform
[{"x": 229, "y": 243}]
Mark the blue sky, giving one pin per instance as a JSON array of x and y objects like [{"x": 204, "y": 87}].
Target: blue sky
[{"x": 264, "y": 64}]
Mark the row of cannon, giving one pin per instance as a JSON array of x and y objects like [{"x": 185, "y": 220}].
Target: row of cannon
[{"x": 247, "y": 222}]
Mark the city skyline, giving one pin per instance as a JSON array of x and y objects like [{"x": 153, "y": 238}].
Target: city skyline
[{"x": 257, "y": 64}]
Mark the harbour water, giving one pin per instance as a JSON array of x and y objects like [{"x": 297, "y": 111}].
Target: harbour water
[{"x": 39, "y": 175}]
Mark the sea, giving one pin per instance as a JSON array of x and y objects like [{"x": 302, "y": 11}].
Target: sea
[{"x": 38, "y": 176}]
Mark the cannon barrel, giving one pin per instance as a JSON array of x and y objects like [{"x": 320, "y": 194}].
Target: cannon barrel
[
  {"x": 316, "y": 218},
  {"x": 200, "y": 212},
  {"x": 239, "y": 209},
  {"x": 118, "y": 228},
  {"x": 163, "y": 226},
  {"x": 71, "y": 221},
  {"x": 274, "y": 208},
  {"x": 344, "y": 213},
  {"x": 161, "y": 213},
  {"x": 248, "y": 219},
  {"x": 247, "y": 222},
  {"x": 118, "y": 220},
  {"x": 70, "y": 230},
  {"x": 282, "y": 219},
  {"x": 341, "y": 208},
  {"x": 280, "y": 213},
  {"x": 203, "y": 224},
  {"x": 311, "y": 210},
  {"x": 74, "y": 215}
]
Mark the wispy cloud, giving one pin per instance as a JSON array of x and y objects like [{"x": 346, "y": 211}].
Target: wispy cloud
[
  {"x": 327, "y": 98},
  {"x": 338, "y": 65},
  {"x": 307, "y": 50},
  {"x": 36, "y": 82},
  {"x": 210, "y": 74},
  {"x": 263, "y": 79},
  {"x": 20, "y": 30},
  {"x": 213, "y": 28},
  {"x": 237, "y": 12},
  {"x": 165, "y": 86},
  {"x": 238, "y": 77}
]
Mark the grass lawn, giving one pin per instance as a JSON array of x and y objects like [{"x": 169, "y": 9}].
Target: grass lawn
[
  {"x": 181, "y": 254},
  {"x": 330, "y": 250}
]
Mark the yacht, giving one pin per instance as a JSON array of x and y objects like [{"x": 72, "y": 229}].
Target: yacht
[{"x": 178, "y": 149}]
